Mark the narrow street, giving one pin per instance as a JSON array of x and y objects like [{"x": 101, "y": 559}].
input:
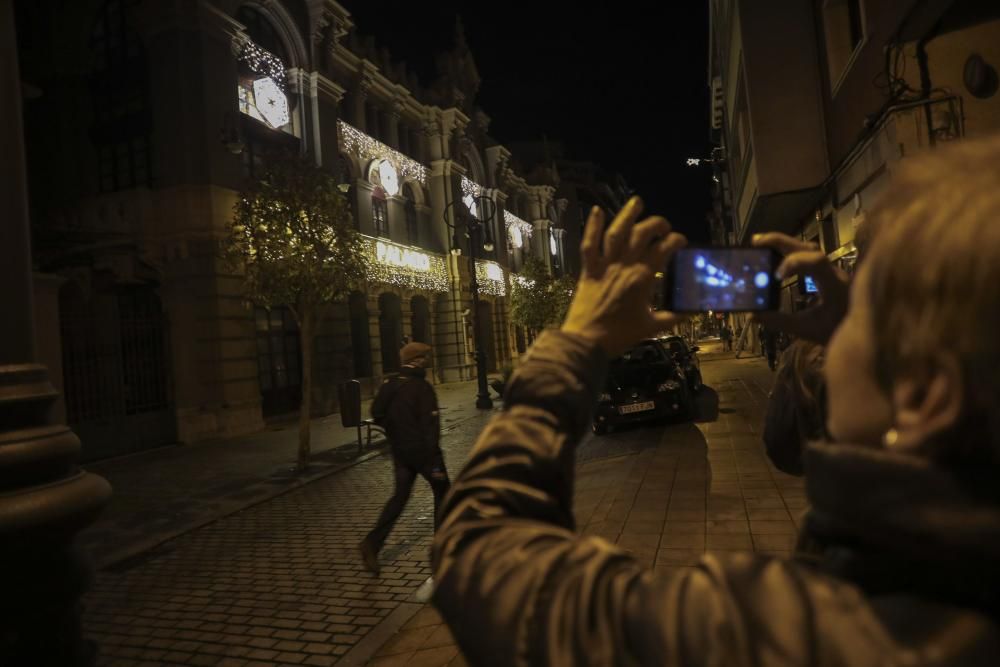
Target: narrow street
[{"x": 280, "y": 582}]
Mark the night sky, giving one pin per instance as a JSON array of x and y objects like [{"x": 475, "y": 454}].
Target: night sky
[{"x": 624, "y": 85}]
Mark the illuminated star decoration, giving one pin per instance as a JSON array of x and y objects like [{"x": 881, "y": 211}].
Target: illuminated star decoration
[
  {"x": 693, "y": 162},
  {"x": 271, "y": 101}
]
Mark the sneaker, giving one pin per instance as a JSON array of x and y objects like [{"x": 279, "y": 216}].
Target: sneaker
[
  {"x": 369, "y": 556},
  {"x": 424, "y": 593}
]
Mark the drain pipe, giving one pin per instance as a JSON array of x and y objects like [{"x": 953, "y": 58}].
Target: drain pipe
[{"x": 925, "y": 80}]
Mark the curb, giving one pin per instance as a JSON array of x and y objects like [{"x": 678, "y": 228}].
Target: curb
[
  {"x": 118, "y": 558},
  {"x": 369, "y": 645}
]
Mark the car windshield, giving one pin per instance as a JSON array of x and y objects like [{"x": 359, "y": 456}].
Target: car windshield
[
  {"x": 677, "y": 347},
  {"x": 646, "y": 353}
]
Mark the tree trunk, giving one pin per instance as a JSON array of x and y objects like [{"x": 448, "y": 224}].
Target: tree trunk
[{"x": 305, "y": 410}]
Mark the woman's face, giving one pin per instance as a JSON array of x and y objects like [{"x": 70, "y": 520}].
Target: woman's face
[{"x": 858, "y": 410}]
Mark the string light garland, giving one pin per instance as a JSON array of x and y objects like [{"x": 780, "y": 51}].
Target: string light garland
[
  {"x": 518, "y": 229},
  {"x": 470, "y": 188},
  {"x": 356, "y": 142},
  {"x": 405, "y": 266},
  {"x": 490, "y": 277},
  {"x": 264, "y": 62}
]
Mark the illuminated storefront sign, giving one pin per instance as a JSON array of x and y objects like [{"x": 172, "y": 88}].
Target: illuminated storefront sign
[
  {"x": 402, "y": 256},
  {"x": 405, "y": 266}
]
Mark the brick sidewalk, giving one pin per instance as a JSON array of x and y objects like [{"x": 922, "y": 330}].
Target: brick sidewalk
[
  {"x": 669, "y": 496},
  {"x": 167, "y": 492},
  {"x": 278, "y": 583}
]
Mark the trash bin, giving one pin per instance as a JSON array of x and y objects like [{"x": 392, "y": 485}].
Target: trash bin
[{"x": 349, "y": 394}]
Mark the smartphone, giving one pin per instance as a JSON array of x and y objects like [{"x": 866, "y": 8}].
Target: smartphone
[
  {"x": 722, "y": 279},
  {"x": 809, "y": 285}
]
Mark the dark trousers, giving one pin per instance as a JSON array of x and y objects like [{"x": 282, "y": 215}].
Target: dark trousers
[{"x": 436, "y": 475}]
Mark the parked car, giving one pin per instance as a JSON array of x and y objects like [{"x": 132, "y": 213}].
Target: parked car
[
  {"x": 643, "y": 384},
  {"x": 687, "y": 357}
]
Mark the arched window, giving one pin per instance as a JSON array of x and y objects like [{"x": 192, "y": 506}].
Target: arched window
[
  {"x": 345, "y": 178},
  {"x": 380, "y": 212},
  {"x": 390, "y": 323},
  {"x": 412, "y": 229},
  {"x": 360, "y": 338},
  {"x": 420, "y": 315},
  {"x": 122, "y": 114}
]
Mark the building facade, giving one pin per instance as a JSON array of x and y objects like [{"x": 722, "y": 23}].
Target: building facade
[
  {"x": 815, "y": 103},
  {"x": 138, "y": 146}
]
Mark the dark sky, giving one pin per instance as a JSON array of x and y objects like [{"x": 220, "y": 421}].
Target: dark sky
[{"x": 622, "y": 84}]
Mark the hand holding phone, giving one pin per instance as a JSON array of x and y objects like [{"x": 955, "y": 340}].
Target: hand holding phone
[{"x": 802, "y": 258}]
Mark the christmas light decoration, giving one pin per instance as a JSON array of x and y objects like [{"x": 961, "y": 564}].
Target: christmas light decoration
[
  {"x": 271, "y": 102},
  {"x": 517, "y": 229},
  {"x": 389, "y": 178},
  {"x": 264, "y": 62},
  {"x": 357, "y": 143},
  {"x": 405, "y": 266},
  {"x": 490, "y": 277},
  {"x": 470, "y": 188}
]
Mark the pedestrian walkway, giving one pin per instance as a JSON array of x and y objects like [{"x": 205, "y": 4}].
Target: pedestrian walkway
[
  {"x": 281, "y": 582},
  {"x": 167, "y": 492},
  {"x": 666, "y": 495}
]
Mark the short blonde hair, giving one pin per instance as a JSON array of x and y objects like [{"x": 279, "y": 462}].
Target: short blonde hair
[{"x": 934, "y": 283}]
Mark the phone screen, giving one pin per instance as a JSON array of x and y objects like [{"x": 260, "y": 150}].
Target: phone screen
[
  {"x": 810, "y": 285},
  {"x": 722, "y": 280}
]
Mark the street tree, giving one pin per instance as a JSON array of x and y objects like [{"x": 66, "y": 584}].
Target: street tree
[
  {"x": 293, "y": 240},
  {"x": 537, "y": 299}
]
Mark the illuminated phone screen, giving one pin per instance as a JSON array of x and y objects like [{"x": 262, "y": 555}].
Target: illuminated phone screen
[{"x": 722, "y": 280}]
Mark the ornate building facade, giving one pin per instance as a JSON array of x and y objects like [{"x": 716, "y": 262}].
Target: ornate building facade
[{"x": 138, "y": 147}]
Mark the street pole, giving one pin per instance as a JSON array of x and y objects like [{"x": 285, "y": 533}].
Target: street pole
[
  {"x": 483, "y": 400},
  {"x": 473, "y": 227},
  {"x": 45, "y": 499}
]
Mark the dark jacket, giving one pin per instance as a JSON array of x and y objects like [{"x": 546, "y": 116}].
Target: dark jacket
[
  {"x": 406, "y": 406},
  {"x": 518, "y": 586},
  {"x": 792, "y": 420}
]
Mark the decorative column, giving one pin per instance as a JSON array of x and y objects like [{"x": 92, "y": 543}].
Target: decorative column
[
  {"x": 44, "y": 498},
  {"x": 392, "y": 120},
  {"x": 359, "y": 98}
]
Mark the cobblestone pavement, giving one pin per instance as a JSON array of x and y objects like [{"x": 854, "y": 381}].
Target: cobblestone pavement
[
  {"x": 169, "y": 491},
  {"x": 280, "y": 582}
]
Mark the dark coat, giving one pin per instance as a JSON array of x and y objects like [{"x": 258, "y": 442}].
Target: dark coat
[
  {"x": 406, "y": 406},
  {"x": 905, "y": 573},
  {"x": 791, "y": 421}
]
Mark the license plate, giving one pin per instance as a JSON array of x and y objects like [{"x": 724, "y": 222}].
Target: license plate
[{"x": 636, "y": 407}]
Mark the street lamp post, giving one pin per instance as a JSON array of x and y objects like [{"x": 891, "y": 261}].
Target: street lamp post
[{"x": 477, "y": 229}]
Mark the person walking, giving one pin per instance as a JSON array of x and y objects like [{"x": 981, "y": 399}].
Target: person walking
[{"x": 406, "y": 406}]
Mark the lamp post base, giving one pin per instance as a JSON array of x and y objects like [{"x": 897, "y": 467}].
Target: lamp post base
[{"x": 484, "y": 402}]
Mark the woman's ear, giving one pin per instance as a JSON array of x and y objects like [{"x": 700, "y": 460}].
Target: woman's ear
[{"x": 927, "y": 403}]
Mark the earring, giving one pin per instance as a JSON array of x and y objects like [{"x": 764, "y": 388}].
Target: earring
[{"x": 890, "y": 437}]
